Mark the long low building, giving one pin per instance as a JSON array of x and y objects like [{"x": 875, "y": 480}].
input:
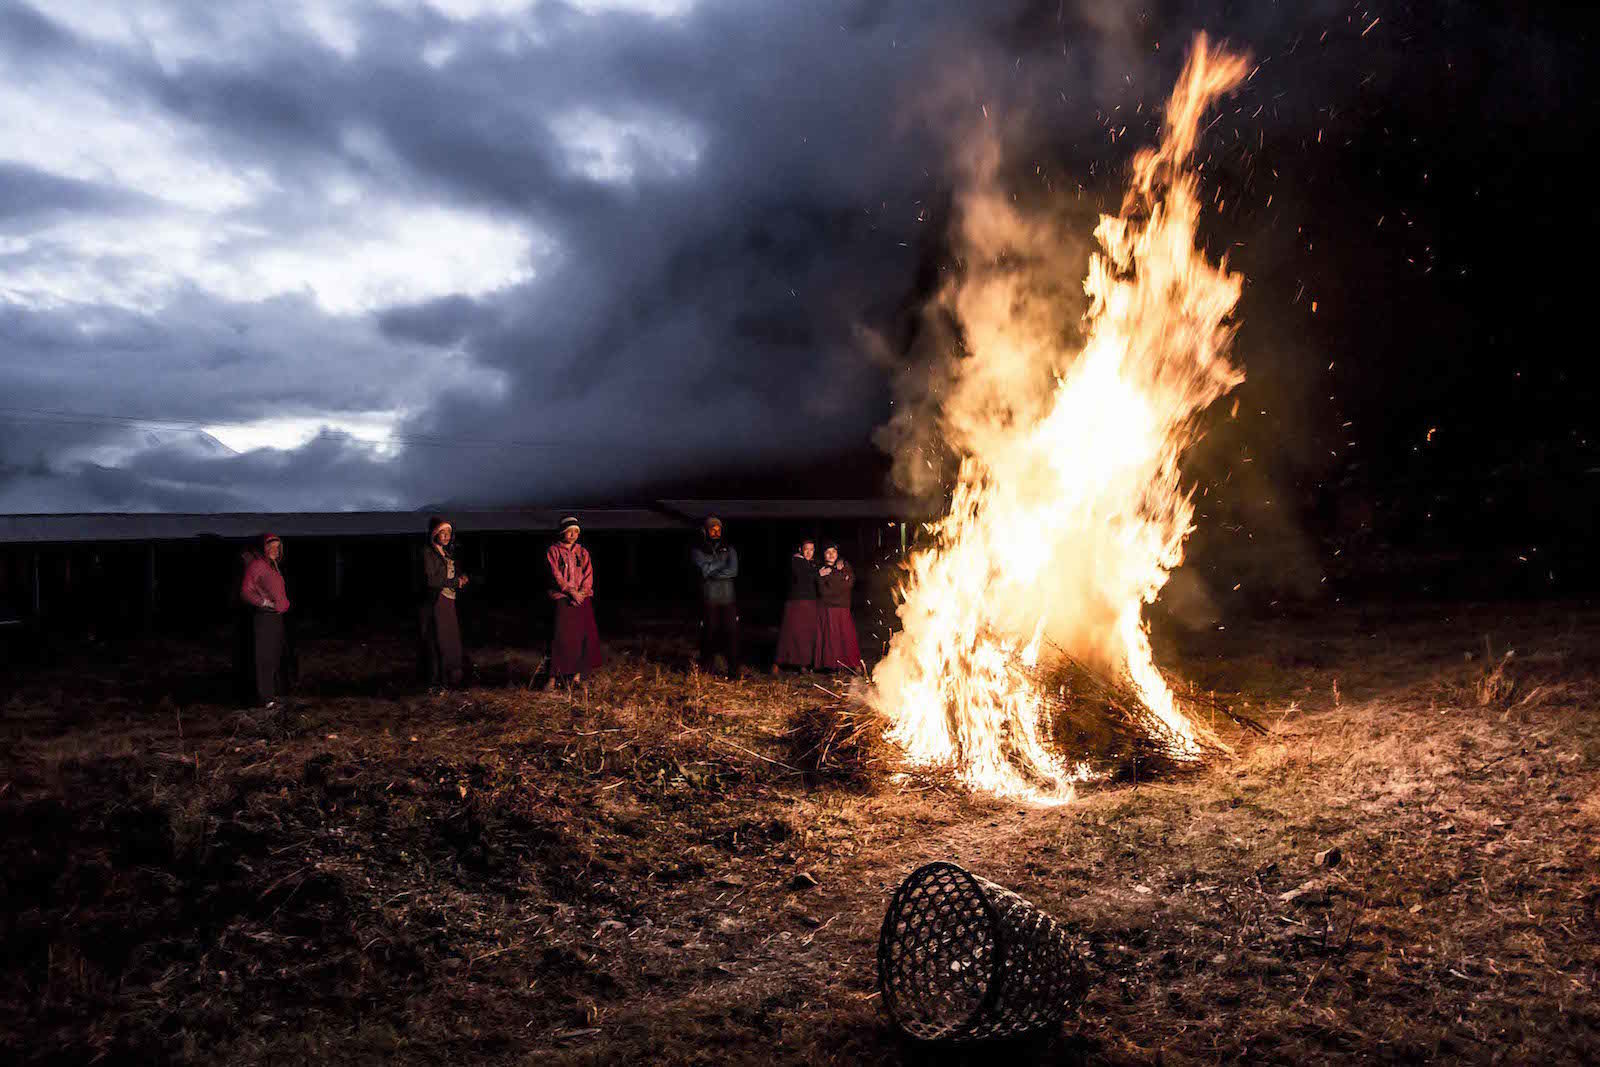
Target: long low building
[
  {"x": 75, "y": 528},
  {"x": 106, "y": 572}
]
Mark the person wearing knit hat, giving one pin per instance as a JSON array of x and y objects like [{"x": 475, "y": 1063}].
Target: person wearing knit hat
[
  {"x": 439, "y": 628},
  {"x": 837, "y": 648},
  {"x": 718, "y": 564},
  {"x": 575, "y": 640},
  {"x": 263, "y": 665}
]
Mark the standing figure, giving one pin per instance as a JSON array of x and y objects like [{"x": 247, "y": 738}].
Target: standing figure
[
  {"x": 836, "y": 643},
  {"x": 575, "y": 644},
  {"x": 798, "y": 633},
  {"x": 440, "y": 630},
  {"x": 718, "y": 564},
  {"x": 264, "y": 600}
]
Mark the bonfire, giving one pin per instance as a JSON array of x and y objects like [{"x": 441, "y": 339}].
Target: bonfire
[{"x": 1026, "y": 611}]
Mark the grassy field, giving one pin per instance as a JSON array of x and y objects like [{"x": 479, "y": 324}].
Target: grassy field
[{"x": 609, "y": 875}]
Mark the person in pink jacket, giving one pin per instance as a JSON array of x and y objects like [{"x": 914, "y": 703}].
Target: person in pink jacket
[
  {"x": 264, "y": 601},
  {"x": 575, "y": 643}
]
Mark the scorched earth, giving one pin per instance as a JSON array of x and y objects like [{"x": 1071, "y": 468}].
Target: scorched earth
[{"x": 638, "y": 872}]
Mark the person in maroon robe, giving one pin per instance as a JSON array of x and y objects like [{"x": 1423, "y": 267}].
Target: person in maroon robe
[
  {"x": 798, "y": 633},
  {"x": 264, "y": 601},
  {"x": 440, "y": 629},
  {"x": 837, "y": 648},
  {"x": 575, "y": 644}
]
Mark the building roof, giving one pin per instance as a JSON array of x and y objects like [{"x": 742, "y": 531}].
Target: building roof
[
  {"x": 886, "y": 508},
  {"x": 660, "y": 515}
]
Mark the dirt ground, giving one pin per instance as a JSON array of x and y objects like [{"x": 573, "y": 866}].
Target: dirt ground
[{"x": 609, "y": 875}]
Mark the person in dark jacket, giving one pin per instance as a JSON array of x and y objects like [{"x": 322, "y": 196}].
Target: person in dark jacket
[
  {"x": 837, "y": 648},
  {"x": 797, "y": 634},
  {"x": 575, "y": 646},
  {"x": 439, "y": 626},
  {"x": 718, "y": 565},
  {"x": 264, "y": 601}
]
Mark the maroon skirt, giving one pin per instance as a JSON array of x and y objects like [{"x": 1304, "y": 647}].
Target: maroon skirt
[
  {"x": 797, "y": 636},
  {"x": 836, "y": 641},
  {"x": 575, "y": 647},
  {"x": 441, "y": 643}
]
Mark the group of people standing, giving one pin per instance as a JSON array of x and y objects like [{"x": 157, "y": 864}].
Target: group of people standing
[{"x": 817, "y": 630}]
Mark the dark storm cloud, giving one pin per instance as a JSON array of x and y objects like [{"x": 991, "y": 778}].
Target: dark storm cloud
[
  {"x": 25, "y": 191},
  {"x": 441, "y": 322},
  {"x": 25, "y": 30},
  {"x": 725, "y": 213},
  {"x": 711, "y": 249}
]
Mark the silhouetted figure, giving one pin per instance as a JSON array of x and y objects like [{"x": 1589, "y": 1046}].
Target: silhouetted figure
[
  {"x": 718, "y": 564},
  {"x": 440, "y": 629}
]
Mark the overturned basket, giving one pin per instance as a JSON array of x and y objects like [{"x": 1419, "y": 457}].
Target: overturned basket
[{"x": 961, "y": 958}]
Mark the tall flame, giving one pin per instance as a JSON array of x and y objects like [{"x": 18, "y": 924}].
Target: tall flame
[{"x": 1068, "y": 511}]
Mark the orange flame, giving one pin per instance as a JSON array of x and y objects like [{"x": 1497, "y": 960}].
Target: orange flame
[{"x": 1068, "y": 512}]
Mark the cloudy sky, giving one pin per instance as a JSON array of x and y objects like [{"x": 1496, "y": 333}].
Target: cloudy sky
[{"x": 321, "y": 254}]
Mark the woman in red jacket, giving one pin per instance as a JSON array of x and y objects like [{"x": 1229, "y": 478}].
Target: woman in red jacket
[
  {"x": 264, "y": 600},
  {"x": 837, "y": 648},
  {"x": 575, "y": 646}
]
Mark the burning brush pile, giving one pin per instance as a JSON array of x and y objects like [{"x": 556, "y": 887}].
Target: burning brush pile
[
  {"x": 1103, "y": 721},
  {"x": 1111, "y": 731},
  {"x": 1023, "y": 659}
]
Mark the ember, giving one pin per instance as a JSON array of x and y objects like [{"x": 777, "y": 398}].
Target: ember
[{"x": 1069, "y": 510}]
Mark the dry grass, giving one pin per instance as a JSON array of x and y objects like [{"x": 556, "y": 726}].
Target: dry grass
[
  {"x": 609, "y": 874},
  {"x": 842, "y": 743}
]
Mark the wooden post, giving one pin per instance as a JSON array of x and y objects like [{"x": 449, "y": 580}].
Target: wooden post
[
  {"x": 33, "y": 567},
  {"x": 151, "y": 589},
  {"x": 338, "y": 572},
  {"x": 69, "y": 604},
  {"x": 630, "y": 560}
]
